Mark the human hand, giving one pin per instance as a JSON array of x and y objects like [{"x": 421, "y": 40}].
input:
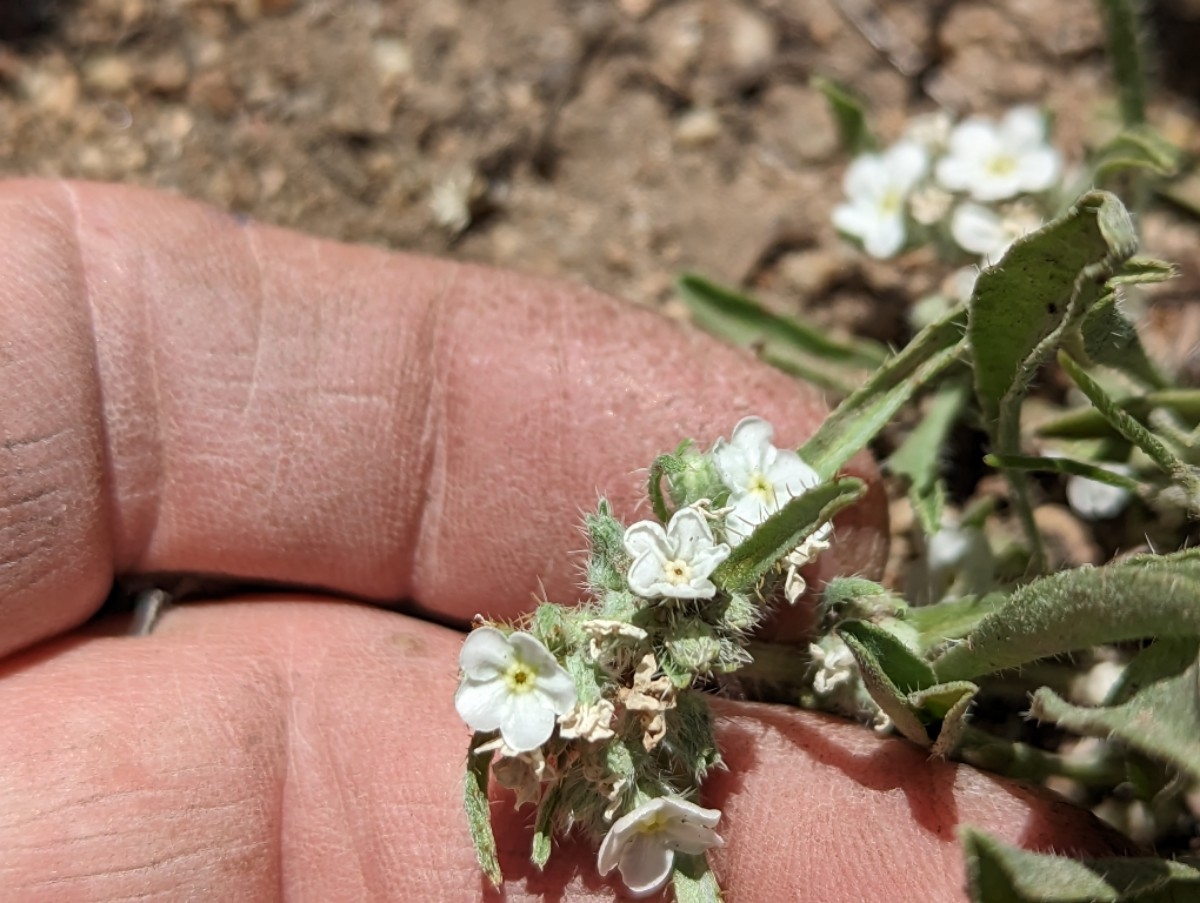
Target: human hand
[{"x": 184, "y": 392}]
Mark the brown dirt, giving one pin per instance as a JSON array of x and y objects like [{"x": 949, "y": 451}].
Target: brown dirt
[{"x": 612, "y": 141}]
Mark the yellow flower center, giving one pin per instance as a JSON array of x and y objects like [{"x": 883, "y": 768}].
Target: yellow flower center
[
  {"x": 520, "y": 678},
  {"x": 677, "y": 572},
  {"x": 890, "y": 203},
  {"x": 1002, "y": 165},
  {"x": 761, "y": 486},
  {"x": 653, "y": 824}
]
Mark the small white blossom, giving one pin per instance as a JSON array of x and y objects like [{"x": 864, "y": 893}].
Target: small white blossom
[
  {"x": 643, "y": 843},
  {"x": 960, "y": 284},
  {"x": 675, "y": 562},
  {"x": 512, "y": 683},
  {"x": 836, "y": 667},
  {"x": 877, "y": 187},
  {"x": 959, "y": 557},
  {"x": 761, "y": 478},
  {"x": 1093, "y": 500},
  {"x": 992, "y": 162},
  {"x": 988, "y": 233}
]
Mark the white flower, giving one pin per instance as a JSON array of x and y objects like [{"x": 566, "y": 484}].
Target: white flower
[
  {"x": 877, "y": 186},
  {"x": 983, "y": 231},
  {"x": 512, "y": 683},
  {"x": 675, "y": 562},
  {"x": 992, "y": 162},
  {"x": 959, "y": 558},
  {"x": 761, "y": 478},
  {"x": 1093, "y": 500},
  {"x": 643, "y": 843}
]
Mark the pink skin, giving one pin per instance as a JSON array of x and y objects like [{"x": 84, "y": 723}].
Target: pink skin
[{"x": 184, "y": 392}]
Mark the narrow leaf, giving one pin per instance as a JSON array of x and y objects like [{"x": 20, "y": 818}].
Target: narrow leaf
[
  {"x": 1125, "y": 48},
  {"x": 479, "y": 817},
  {"x": 860, "y": 417},
  {"x": 783, "y": 531},
  {"x": 1088, "y": 423},
  {"x": 1108, "y": 337},
  {"x": 882, "y": 688},
  {"x": 919, "y": 457},
  {"x": 1062, "y": 465},
  {"x": 744, "y": 321},
  {"x": 543, "y": 827},
  {"x": 906, "y": 670},
  {"x": 947, "y": 703},
  {"x": 1161, "y": 717},
  {"x": 848, "y": 113},
  {"x": 1139, "y": 597}
]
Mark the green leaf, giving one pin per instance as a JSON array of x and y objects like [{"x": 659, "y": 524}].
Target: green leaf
[
  {"x": 904, "y": 668},
  {"x": 1139, "y": 148},
  {"x": 1161, "y": 716},
  {"x": 742, "y": 320},
  {"x": 1023, "y": 308},
  {"x": 1062, "y": 465},
  {"x": 543, "y": 827},
  {"x": 693, "y": 881},
  {"x": 998, "y": 872},
  {"x": 1129, "y": 427},
  {"x": 1088, "y": 423},
  {"x": 1108, "y": 337},
  {"x": 917, "y": 459},
  {"x": 1139, "y": 597},
  {"x": 479, "y": 818},
  {"x": 1122, "y": 21},
  {"x": 860, "y": 417},
  {"x": 868, "y": 652},
  {"x": 783, "y": 531},
  {"x": 848, "y": 113},
  {"x": 947, "y": 703}
]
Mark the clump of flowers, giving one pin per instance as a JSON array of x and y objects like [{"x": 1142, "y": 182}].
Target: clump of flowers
[
  {"x": 972, "y": 188},
  {"x": 597, "y": 713}
]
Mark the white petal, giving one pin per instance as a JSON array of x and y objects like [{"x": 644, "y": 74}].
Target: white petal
[
  {"x": 528, "y": 723},
  {"x": 1093, "y": 500},
  {"x": 691, "y": 839},
  {"x": 482, "y": 704},
  {"x": 906, "y": 163},
  {"x": 645, "y": 865},
  {"x": 646, "y": 576},
  {"x": 977, "y": 229},
  {"x": 1023, "y": 128},
  {"x": 855, "y": 219},
  {"x": 485, "y": 654},
  {"x": 974, "y": 139},
  {"x": 646, "y": 536},
  {"x": 957, "y": 173},
  {"x": 866, "y": 177},
  {"x": 1039, "y": 170},
  {"x": 748, "y": 512},
  {"x": 557, "y": 690},
  {"x": 789, "y": 473},
  {"x": 753, "y": 435},
  {"x": 688, "y": 532},
  {"x": 530, "y": 650},
  {"x": 689, "y": 813},
  {"x": 885, "y": 237},
  {"x": 707, "y": 561}
]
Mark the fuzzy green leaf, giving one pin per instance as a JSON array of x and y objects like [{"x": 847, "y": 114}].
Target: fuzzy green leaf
[
  {"x": 785, "y": 341},
  {"x": 1123, "y": 23},
  {"x": 1138, "y": 148},
  {"x": 860, "y": 417},
  {"x": 1161, "y": 717},
  {"x": 1088, "y": 423},
  {"x": 848, "y": 113},
  {"x": 1109, "y": 337},
  {"x": 543, "y": 827},
  {"x": 904, "y": 668},
  {"x": 1132, "y": 430},
  {"x": 947, "y": 704},
  {"x": 1062, "y": 465},
  {"x": 1139, "y": 597},
  {"x": 1000, "y": 873},
  {"x": 868, "y": 652},
  {"x": 693, "y": 881},
  {"x": 918, "y": 458},
  {"x": 783, "y": 531},
  {"x": 479, "y": 818}
]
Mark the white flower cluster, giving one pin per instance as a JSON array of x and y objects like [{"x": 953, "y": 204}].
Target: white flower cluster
[
  {"x": 581, "y": 701},
  {"x": 982, "y": 182}
]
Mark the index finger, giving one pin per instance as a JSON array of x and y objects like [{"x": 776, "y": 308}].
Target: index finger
[{"x": 189, "y": 392}]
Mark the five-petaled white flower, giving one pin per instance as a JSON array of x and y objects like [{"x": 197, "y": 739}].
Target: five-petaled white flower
[
  {"x": 761, "y": 478},
  {"x": 990, "y": 234},
  {"x": 675, "y": 562},
  {"x": 878, "y": 186},
  {"x": 643, "y": 843},
  {"x": 512, "y": 683},
  {"x": 992, "y": 162}
]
